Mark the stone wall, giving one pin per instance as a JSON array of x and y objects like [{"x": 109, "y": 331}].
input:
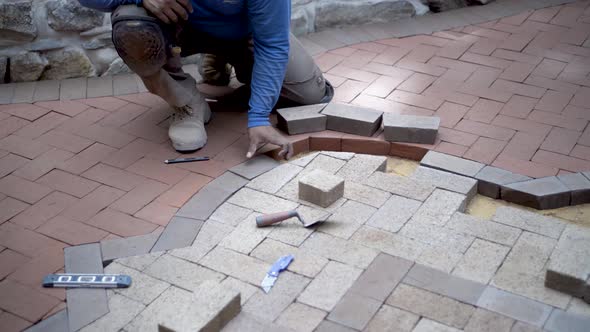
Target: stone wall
[{"x": 59, "y": 39}]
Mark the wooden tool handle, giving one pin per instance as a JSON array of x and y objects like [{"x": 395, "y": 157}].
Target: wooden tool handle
[{"x": 269, "y": 219}]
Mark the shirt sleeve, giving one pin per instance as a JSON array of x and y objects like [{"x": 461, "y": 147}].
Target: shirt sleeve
[
  {"x": 270, "y": 23},
  {"x": 107, "y": 5}
]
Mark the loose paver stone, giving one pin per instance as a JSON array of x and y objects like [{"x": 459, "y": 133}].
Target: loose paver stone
[
  {"x": 445, "y": 180},
  {"x": 302, "y": 119},
  {"x": 542, "y": 194},
  {"x": 410, "y": 128},
  {"x": 254, "y": 167},
  {"x": 491, "y": 179},
  {"x": 321, "y": 188},
  {"x": 445, "y": 162},
  {"x": 352, "y": 119},
  {"x": 579, "y": 187}
]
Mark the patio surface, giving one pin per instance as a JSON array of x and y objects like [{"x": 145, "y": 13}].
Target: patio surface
[{"x": 513, "y": 93}]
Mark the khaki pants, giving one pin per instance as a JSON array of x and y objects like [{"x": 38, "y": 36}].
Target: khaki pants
[{"x": 145, "y": 44}]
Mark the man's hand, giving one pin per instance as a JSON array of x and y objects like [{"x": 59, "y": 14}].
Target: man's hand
[
  {"x": 169, "y": 10},
  {"x": 268, "y": 134}
]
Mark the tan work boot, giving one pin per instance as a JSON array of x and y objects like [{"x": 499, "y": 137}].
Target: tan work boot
[{"x": 187, "y": 125}]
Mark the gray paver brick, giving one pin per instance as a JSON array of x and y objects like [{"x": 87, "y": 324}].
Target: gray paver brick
[
  {"x": 254, "y": 167},
  {"x": 337, "y": 249},
  {"x": 445, "y": 284},
  {"x": 388, "y": 317},
  {"x": 246, "y": 236},
  {"x": 352, "y": 119},
  {"x": 74, "y": 88},
  {"x": 269, "y": 306},
  {"x": 400, "y": 185},
  {"x": 484, "y": 229},
  {"x": 487, "y": 321},
  {"x": 210, "y": 235},
  {"x": 145, "y": 288},
  {"x": 430, "y": 305},
  {"x": 302, "y": 119},
  {"x": 440, "y": 207},
  {"x": 514, "y": 306},
  {"x": 481, "y": 261},
  {"x": 292, "y": 232},
  {"x": 125, "y": 247},
  {"x": 181, "y": 273},
  {"x": 321, "y": 188},
  {"x": 300, "y": 317},
  {"x": 180, "y": 232},
  {"x": 167, "y": 305},
  {"x": 237, "y": 265},
  {"x": 354, "y": 311},
  {"x": 361, "y": 166},
  {"x": 46, "y": 90},
  {"x": 586, "y": 174},
  {"x": 491, "y": 179},
  {"x": 542, "y": 194},
  {"x": 394, "y": 214},
  {"x": 55, "y": 323},
  {"x": 445, "y": 180},
  {"x": 230, "y": 214},
  {"x": 99, "y": 86},
  {"x": 261, "y": 202},
  {"x": 410, "y": 128},
  {"x": 245, "y": 289},
  {"x": 365, "y": 194},
  {"x": 530, "y": 221},
  {"x": 579, "y": 186},
  {"x": 306, "y": 262},
  {"x": 347, "y": 219},
  {"x": 381, "y": 277},
  {"x": 122, "y": 311},
  {"x": 427, "y": 325},
  {"x": 393, "y": 244},
  {"x": 565, "y": 321},
  {"x": 569, "y": 266},
  {"x": 273, "y": 180},
  {"x": 329, "y": 286},
  {"x": 445, "y": 162}
]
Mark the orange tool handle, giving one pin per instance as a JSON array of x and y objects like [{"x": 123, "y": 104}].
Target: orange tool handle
[{"x": 269, "y": 219}]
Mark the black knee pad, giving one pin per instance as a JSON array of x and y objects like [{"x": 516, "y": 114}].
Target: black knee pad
[{"x": 139, "y": 40}]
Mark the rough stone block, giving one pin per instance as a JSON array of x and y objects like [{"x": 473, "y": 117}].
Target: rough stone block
[
  {"x": 340, "y": 250},
  {"x": 394, "y": 214},
  {"x": 514, "y": 306},
  {"x": 542, "y": 194},
  {"x": 365, "y": 194},
  {"x": 352, "y": 119},
  {"x": 179, "y": 233},
  {"x": 491, "y": 179},
  {"x": 211, "y": 307},
  {"x": 487, "y": 321},
  {"x": 389, "y": 316},
  {"x": 126, "y": 247},
  {"x": 484, "y": 229},
  {"x": 579, "y": 186},
  {"x": 321, "y": 188},
  {"x": 569, "y": 265},
  {"x": 329, "y": 286},
  {"x": 444, "y": 284},
  {"x": 565, "y": 321},
  {"x": 261, "y": 202},
  {"x": 302, "y": 119},
  {"x": 452, "y": 164},
  {"x": 273, "y": 180},
  {"x": 481, "y": 261},
  {"x": 181, "y": 273},
  {"x": 410, "y": 128},
  {"x": 354, "y": 311},
  {"x": 430, "y": 305},
  {"x": 439, "y": 207},
  {"x": 530, "y": 221},
  {"x": 254, "y": 167},
  {"x": 400, "y": 185},
  {"x": 381, "y": 277},
  {"x": 445, "y": 180},
  {"x": 361, "y": 166}
]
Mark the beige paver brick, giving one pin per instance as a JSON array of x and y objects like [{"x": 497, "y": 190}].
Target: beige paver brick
[
  {"x": 347, "y": 219},
  {"x": 145, "y": 288},
  {"x": 230, "y": 214},
  {"x": 530, "y": 221},
  {"x": 337, "y": 249},
  {"x": 271, "y": 181},
  {"x": 390, "y": 243},
  {"x": 437, "y": 236},
  {"x": 481, "y": 261},
  {"x": 300, "y": 317},
  {"x": 389, "y": 317},
  {"x": 440, "y": 258},
  {"x": 439, "y": 207},
  {"x": 400, "y": 185},
  {"x": 237, "y": 265},
  {"x": 140, "y": 262},
  {"x": 306, "y": 262},
  {"x": 393, "y": 215},
  {"x": 246, "y": 236},
  {"x": 329, "y": 286},
  {"x": 122, "y": 311},
  {"x": 433, "y": 306},
  {"x": 261, "y": 202},
  {"x": 209, "y": 236},
  {"x": 362, "y": 166},
  {"x": 365, "y": 194},
  {"x": 529, "y": 254},
  {"x": 181, "y": 273},
  {"x": 487, "y": 321},
  {"x": 484, "y": 229},
  {"x": 427, "y": 325},
  {"x": 245, "y": 289},
  {"x": 321, "y": 188}
]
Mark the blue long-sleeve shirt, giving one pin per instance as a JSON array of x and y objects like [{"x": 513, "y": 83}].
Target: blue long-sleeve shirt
[{"x": 267, "y": 21}]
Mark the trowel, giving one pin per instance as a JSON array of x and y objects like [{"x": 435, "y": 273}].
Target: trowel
[{"x": 273, "y": 218}]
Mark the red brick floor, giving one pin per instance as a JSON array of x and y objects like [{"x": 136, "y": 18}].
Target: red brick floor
[{"x": 514, "y": 93}]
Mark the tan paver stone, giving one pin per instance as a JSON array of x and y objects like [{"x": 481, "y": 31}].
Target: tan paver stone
[
  {"x": 145, "y": 288},
  {"x": 209, "y": 236},
  {"x": 390, "y": 243},
  {"x": 487, "y": 321},
  {"x": 320, "y": 188},
  {"x": 437, "y": 236},
  {"x": 354, "y": 311},
  {"x": 481, "y": 261},
  {"x": 433, "y": 306},
  {"x": 306, "y": 262},
  {"x": 427, "y": 325},
  {"x": 439, "y": 207},
  {"x": 530, "y": 254},
  {"x": 300, "y": 317},
  {"x": 514, "y": 306},
  {"x": 271, "y": 181},
  {"x": 121, "y": 311},
  {"x": 245, "y": 322},
  {"x": 140, "y": 262},
  {"x": 230, "y": 214},
  {"x": 530, "y": 221},
  {"x": 304, "y": 160},
  {"x": 524, "y": 327},
  {"x": 365, "y": 194},
  {"x": 269, "y": 306},
  {"x": 362, "y": 166},
  {"x": 347, "y": 219},
  {"x": 237, "y": 265},
  {"x": 246, "y": 236},
  {"x": 261, "y": 202},
  {"x": 393, "y": 215},
  {"x": 329, "y": 286},
  {"x": 445, "y": 180},
  {"x": 484, "y": 229},
  {"x": 388, "y": 318},
  {"x": 400, "y": 185},
  {"x": 245, "y": 289},
  {"x": 337, "y": 249},
  {"x": 325, "y": 163},
  {"x": 440, "y": 258},
  {"x": 181, "y": 273}
]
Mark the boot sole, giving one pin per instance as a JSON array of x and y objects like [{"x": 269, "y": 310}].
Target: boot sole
[{"x": 188, "y": 149}]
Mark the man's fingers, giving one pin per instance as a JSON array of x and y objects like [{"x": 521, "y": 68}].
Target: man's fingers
[
  {"x": 252, "y": 149},
  {"x": 179, "y": 10},
  {"x": 286, "y": 151},
  {"x": 170, "y": 14},
  {"x": 186, "y": 4},
  {"x": 162, "y": 17}
]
